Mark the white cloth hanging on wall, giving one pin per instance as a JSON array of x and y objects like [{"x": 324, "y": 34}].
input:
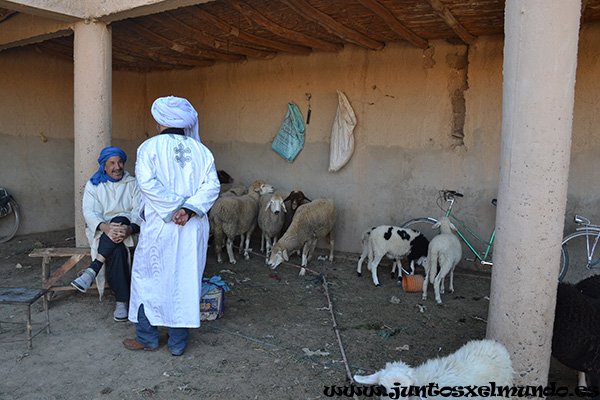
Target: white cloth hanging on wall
[{"x": 342, "y": 138}]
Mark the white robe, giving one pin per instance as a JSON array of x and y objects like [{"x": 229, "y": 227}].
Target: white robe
[
  {"x": 173, "y": 171},
  {"x": 103, "y": 202}
]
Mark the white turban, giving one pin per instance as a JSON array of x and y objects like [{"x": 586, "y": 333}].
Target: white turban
[{"x": 176, "y": 112}]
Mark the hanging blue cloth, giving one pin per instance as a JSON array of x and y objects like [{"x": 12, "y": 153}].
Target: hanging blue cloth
[
  {"x": 100, "y": 176},
  {"x": 289, "y": 140}
]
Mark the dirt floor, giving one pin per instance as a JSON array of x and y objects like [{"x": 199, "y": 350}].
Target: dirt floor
[{"x": 276, "y": 339}]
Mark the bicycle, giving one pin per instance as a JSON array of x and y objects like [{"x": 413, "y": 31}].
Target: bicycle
[
  {"x": 424, "y": 226},
  {"x": 9, "y": 216},
  {"x": 579, "y": 248}
]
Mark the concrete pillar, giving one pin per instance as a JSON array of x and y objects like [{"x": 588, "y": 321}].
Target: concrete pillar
[
  {"x": 540, "y": 59},
  {"x": 92, "y": 54}
]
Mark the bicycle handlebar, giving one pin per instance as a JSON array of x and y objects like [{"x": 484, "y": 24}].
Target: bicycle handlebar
[{"x": 451, "y": 193}]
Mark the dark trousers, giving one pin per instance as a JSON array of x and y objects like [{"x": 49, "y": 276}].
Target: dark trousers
[{"x": 118, "y": 273}]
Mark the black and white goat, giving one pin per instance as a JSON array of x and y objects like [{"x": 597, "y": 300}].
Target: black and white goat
[{"x": 395, "y": 243}]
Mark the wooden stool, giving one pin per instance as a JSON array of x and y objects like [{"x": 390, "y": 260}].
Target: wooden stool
[{"x": 26, "y": 297}]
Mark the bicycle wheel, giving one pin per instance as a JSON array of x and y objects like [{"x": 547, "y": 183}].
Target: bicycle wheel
[
  {"x": 9, "y": 224},
  {"x": 578, "y": 256},
  {"x": 423, "y": 225}
]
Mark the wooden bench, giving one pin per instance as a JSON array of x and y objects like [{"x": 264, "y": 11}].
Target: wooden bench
[{"x": 76, "y": 254}]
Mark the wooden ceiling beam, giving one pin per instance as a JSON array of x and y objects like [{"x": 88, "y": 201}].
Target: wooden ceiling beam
[
  {"x": 448, "y": 17},
  {"x": 167, "y": 19},
  {"x": 45, "y": 50},
  {"x": 259, "y": 19},
  {"x": 191, "y": 51},
  {"x": 233, "y": 31},
  {"x": 145, "y": 53},
  {"x": 331, "y": 25},
  {"x": 376, "y": 7},
  {"x": 6, "y": 13}
]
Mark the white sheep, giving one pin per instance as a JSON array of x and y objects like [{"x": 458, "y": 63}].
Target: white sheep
[
  {"x": 237, "y": 190},
  {"x": 393, "y": 242},
  {"x": 232, "y": 216},
  {"x": 444, "y": 251},
  {"x": 478, "y": 362},
  {"x": 271, "y": 217},
  {"x": 312, "y": 221}
]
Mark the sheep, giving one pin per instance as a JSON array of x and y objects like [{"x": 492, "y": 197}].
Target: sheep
[
  {"x": 393, "y": 242},
  {"x": 232, "y": 216},
  {"x": 576, "y": 338},
  {"x": 417, "y": 254},
  {"x": 271, "y": 216},
  {"x": 237, "y": 190},
  {"x": 312, "y": 221},
  {"x": 294, "y": 199},
  {"x": 444, "y": 250},
  {"x": 225, "y": 180},
  {"x": 478, "y": 362}
]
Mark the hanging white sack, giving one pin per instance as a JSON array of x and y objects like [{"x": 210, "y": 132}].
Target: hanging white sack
[{"x": 342, "y": 139}]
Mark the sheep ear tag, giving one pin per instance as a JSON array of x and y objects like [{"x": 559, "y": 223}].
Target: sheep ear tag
[
  {"x": 367, "y": 379},
  {"x": 285, "y": 256}
]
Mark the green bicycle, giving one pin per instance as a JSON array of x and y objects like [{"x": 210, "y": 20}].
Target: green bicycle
[{"x": 445, "y": 201}]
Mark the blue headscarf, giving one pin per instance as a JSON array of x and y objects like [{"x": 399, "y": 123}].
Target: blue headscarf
[{"x": 100, "y": 176}]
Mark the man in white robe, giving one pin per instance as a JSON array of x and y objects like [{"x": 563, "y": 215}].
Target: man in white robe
[
  {"x": 178, "y": 180},
  {"x": 111, "y": 203}
]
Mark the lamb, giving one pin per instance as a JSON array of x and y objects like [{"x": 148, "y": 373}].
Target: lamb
[
  {"x": 445, "y": 250},
  {"x": 232, "y": 216},
  {"x": 271, "y": 216},
  {"x": 312, "y": 221},
  {"x": 478, "y": 362},
  {"x": 576, "y": 338},
  {"x": 393, "y": 242}
]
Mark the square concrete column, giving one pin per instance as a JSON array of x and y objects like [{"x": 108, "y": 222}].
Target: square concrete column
[
  {"x": 92, "y": 54},
  {"x": 540, "y": 60}
]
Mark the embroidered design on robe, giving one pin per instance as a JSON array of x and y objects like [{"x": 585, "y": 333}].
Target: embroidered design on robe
[{"x": 181, "y": 156}]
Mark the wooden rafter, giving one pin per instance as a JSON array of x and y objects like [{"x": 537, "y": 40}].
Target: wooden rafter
[
  {"x": 191, "y": 51},
  {"x": 389, "y": 18},
  {"x": 145, "y": 53},
  {"x": 231, "y": 30},
  {"x": 331, "y": 25},
  {"x": 299, "y": 37},
  {"x": 168, "y": 20},
  {"x": 5, "y": 14},
  {"x": 448, "y": 17},
  {"x": 53, "y": 53}
]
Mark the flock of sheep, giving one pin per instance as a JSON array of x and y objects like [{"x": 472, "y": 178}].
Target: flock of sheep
[
  {"x": 295, "y": 227},
  {"x": 290, "y": 222}
]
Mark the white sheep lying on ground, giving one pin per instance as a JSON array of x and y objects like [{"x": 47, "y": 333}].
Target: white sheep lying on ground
[
  {"x": 271, "y": 217},
  {"x": 445, "y": 251},
  {"x": 232, "y": 216},
  {"x": 312, "y": 221},
  {"x": 393, "y": 242},
  {"x": 478, "y": 362}
]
